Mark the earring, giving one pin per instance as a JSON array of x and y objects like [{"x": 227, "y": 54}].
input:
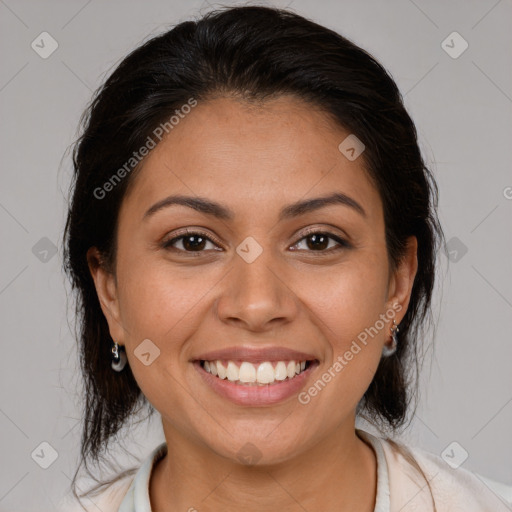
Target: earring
[
  {"x": 118, "y": 358},
  {"x": 388, "y": 351}
]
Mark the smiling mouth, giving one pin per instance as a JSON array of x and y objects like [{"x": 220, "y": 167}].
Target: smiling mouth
[{"x": 267, "y": 373}]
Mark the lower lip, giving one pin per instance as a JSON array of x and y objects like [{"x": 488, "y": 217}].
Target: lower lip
[{"x": 256, "y": 395}]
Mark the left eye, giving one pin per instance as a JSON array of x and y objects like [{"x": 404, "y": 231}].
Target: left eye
[
  {"x": 319, "y": 239},
  {"x": 316, "y": 241}
]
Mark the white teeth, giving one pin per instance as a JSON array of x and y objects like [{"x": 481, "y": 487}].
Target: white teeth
[
  {"x": 280, "y": 370},
  {"x": 264, "y": 373},
  {"x": 221, "y": 371},
  {"x": 290, "y": 369},
  {"x": 233, "y": 371},
  {"x": 247, "y": 373}
]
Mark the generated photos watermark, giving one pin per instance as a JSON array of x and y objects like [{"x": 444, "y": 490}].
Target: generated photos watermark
[
  {"x": 151, "y": 142},
  {"x": 342, "y": 360}
]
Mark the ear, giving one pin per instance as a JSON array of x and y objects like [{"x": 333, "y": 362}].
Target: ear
[
  {"x": 106, "y": 288},
  {"x": 402, "y": 279}
]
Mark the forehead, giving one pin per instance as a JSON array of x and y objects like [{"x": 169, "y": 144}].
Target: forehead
[{"x": 251, "y": 156}]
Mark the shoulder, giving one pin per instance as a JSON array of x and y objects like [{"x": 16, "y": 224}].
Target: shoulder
[
  {"x": 418, "y": 481},
  {"x": 128, "y": 493},
  {"x": 107, "y": 500}
]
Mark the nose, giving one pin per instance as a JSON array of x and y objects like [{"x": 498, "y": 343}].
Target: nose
[{"x": 258, "y": 295}]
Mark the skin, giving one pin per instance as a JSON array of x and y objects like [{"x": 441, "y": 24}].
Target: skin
[{"x": 254, "y": 160}]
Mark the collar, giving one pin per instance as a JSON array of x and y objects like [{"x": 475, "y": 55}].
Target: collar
[{"x": 137, "y": 496}]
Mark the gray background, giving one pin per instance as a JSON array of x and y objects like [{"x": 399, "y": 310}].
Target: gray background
[{"x": 462, "y": 107}]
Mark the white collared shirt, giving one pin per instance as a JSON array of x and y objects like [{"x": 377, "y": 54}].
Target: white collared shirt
[{"x": 400, "y": 487}]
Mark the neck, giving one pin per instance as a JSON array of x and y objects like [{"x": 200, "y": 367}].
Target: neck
[{"x": 337, "y": 474}]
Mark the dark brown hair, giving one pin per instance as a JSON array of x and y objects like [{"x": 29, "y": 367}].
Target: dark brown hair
[{"x": 253, "y": 53}]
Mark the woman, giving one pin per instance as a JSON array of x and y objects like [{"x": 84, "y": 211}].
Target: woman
[{"x": 252, "y": 236}]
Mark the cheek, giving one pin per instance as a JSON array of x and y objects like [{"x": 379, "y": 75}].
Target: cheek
[
  {"x": 157, "y": 301},
  {"x": 165, "y": 308},
  {"x": 349, "y": 306},
  {"x": 352, "y": 300}
]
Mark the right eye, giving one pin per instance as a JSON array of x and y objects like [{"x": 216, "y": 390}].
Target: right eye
[{"x": 191, "y": 241}]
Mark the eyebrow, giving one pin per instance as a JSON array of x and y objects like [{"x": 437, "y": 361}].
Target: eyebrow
[{"x": 219, "y": 211}]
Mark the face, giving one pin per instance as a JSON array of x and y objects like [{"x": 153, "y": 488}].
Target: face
[{"x": 188, "y": 282}]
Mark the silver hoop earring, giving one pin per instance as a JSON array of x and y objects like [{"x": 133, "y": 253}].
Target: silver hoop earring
[
  {"x": 119, "y": 358},
  {"x": 388, "y": 351}
]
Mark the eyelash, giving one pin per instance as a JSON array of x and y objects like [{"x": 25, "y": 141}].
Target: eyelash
[{"x": 343, "y": 244}]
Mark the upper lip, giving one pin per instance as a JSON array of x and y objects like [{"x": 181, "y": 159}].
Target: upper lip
[{"x": 256, "y": 355}]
